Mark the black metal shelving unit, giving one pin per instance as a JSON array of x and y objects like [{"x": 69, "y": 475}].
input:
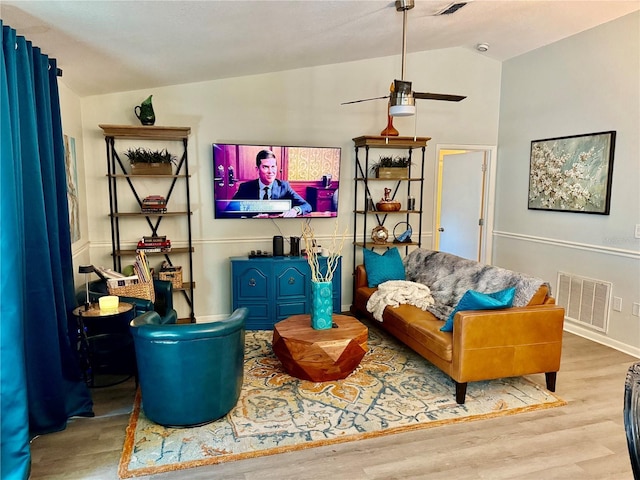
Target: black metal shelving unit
[
  {"x": 116, "y": 172},
  {"x": 362, "y": 191}
]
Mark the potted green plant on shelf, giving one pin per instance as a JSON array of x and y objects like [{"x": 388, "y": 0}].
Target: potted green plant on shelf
[
  {"x": 149, "y": 162},
  {"x": 392, "y": 167}
]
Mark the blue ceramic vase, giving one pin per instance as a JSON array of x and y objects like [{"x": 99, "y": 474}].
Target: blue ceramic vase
[{"x": 321, "y": 305}]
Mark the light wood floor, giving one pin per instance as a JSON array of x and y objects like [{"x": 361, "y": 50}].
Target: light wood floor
[{"x": 583, "y": 440}]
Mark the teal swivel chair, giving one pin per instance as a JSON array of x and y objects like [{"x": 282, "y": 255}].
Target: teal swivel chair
[{"x": 190, "y": 374}]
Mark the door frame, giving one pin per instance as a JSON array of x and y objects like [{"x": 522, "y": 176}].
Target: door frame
[{"x": 490, "y": 153}]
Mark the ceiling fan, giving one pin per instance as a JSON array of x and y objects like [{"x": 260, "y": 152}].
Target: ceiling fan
[{"x": 401, "y": 97}]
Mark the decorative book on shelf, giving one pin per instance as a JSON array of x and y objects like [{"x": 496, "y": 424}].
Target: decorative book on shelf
[
  {"x": 154, "y": 204},
  {"x": 154, "y": 244}
]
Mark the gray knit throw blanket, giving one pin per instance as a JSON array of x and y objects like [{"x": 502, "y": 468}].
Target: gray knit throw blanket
[{"x": 449, "y": 277}]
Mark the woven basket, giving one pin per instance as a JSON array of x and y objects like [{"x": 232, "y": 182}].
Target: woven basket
[
  {"x": 174, "y": 276},
  {"x": 131, "y": 288},
  {"x": 151, "y": 169},
  {"x": 392, "y": 172}
]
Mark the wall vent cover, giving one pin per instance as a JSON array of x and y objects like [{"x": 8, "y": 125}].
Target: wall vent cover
[
  {"x": 585, "y": 300},
  {"x": 451, "y": 8}
]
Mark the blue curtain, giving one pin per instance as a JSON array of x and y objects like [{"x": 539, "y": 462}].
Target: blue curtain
[{"x": 40, "y": 379}]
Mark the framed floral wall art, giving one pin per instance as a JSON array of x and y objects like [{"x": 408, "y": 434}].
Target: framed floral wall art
[{"x": 572, "y": 174}]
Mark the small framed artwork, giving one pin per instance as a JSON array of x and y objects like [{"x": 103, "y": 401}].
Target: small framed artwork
[
  {"x": 572, "y": 174},
  {"x": 72, "y": 186}
]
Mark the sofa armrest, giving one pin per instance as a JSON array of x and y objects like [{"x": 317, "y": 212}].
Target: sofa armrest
[
  {"x": 505, "y": 343},
  {"x": 360, "y": 277}
]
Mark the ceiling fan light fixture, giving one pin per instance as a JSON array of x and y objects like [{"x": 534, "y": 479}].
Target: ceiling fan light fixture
[
  {"x": 402, "y": 110},
  {"x": 401, "y": 101}
]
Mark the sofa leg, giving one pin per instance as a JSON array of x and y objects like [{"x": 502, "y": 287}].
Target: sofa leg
[
  {"x": 551, "y": 380},
  {"x": 461, "y": 392}
]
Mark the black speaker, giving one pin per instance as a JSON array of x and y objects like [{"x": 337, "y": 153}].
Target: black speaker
[
  {"x": 295, "y": 246},
  {"x": 278, "y": 246}
]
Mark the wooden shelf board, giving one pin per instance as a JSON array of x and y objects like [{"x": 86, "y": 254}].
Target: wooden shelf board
[
  {"x": 141, "y": 214},
  {"x": 145, "y": 132},
  {"x": 185, "y": 286},
  {"x": 382, "y": 245},
  {"x": 380, "y": 212},
  {"x": 390, "y": 142},
  {"x": 137, "y": 175},
  {"x": 174, "y": 250},
  {"x": 373, "y": 179}
]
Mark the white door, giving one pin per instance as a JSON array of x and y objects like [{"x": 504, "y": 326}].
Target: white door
[{"x": 461, "y": 193}]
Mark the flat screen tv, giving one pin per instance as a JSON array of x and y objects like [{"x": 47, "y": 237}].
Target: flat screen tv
[{"x": 275, "y": 181}]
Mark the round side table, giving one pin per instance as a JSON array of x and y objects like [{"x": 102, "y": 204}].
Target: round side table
[{"x": 104, "y": 342}]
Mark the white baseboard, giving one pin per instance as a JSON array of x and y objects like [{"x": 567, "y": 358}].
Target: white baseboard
[{"x": 602, "y": 339}]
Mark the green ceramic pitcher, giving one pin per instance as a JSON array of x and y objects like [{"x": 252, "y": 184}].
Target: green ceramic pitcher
[{"x": 144, "y": 112}]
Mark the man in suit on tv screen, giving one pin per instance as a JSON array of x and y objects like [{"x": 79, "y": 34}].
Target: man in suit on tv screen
[{"x": 268, "y": 187}]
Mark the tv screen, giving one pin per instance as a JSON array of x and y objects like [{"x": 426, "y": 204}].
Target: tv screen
[{"x": 275, "y": 181}]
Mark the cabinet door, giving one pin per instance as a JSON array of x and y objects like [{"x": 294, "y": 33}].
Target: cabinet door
[
  {"x": 292, "y": 283},
  {"x": 251, "y": 289},
  {"x": 291, "y": 280}
]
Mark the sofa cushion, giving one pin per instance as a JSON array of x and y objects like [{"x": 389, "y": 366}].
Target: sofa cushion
[
  {"x": 381, "y": 268},
  {"x": 426, "y": 331},
  {"x": 473, "y": 300}
]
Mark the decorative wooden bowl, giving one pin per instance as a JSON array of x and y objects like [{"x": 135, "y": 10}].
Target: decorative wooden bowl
[{"x": 388, "y": 206}]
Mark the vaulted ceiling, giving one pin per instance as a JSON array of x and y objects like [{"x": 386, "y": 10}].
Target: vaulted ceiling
[{"x": 109, "y": 46}]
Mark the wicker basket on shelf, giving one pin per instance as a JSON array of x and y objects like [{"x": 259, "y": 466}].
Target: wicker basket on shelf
[
  {"x": 174, "y": 276},
  {"x": 131, "y": 287}
]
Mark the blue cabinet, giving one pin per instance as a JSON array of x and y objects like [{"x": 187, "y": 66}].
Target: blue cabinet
[{"x": 275, "y": 288}]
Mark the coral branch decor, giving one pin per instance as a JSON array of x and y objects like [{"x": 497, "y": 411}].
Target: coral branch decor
[{"x": 321, "y": 278}]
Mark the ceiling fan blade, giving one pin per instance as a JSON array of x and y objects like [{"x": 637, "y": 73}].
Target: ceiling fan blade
[
  {"x": 364, "y": 100},
  {"x": 438, "y": 96}
]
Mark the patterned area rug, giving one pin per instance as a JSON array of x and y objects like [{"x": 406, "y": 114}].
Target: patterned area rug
[{"x": 393, "y": 390}]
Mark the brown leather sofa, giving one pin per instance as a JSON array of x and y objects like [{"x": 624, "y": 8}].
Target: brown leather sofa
[{"x": 485, "y": 344}]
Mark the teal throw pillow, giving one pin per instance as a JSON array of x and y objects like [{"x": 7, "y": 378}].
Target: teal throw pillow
[
  {"x": 381, "y": 268},
  {"x": 473, "y": 300}
]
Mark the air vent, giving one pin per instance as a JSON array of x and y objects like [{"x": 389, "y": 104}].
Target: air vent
[
  {"x": 586, "y": 301},
  {"x": 452, "y": 8}
]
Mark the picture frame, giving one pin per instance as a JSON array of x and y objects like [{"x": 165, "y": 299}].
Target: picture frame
[
  {"x": 71, "y": 169},
  {"x": 572, "y": 173}
]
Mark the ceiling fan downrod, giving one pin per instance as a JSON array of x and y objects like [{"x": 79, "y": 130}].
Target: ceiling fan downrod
[
  {"x": 401, "y": 101},
  {"x": 403, "y": 6}
]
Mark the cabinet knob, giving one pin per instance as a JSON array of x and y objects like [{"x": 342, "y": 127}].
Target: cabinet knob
[
  {"x": 252, "y": 282},
  {"x": 292, "y": 280}
]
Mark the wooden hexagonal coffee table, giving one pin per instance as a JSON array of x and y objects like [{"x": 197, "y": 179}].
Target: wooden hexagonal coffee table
[{"x": 320, "y": 355}]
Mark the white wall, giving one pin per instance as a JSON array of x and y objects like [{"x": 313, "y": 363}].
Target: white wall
[
  {"x": 72, "y": 126},
  {"x": 586, "y": 83},
  {"x": 299, "y": 107}
]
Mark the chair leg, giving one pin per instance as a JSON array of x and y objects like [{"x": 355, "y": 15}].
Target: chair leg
[
  {"x": 461, "y": 393},
  {"x": 551, "y": 380}
]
